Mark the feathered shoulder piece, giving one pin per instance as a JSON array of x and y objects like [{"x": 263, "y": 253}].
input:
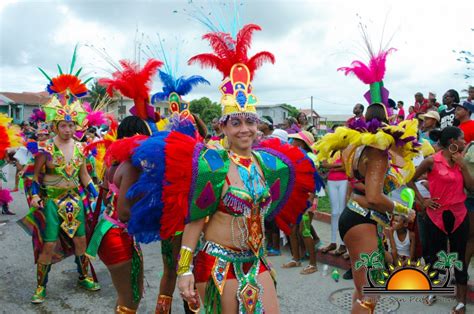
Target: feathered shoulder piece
[
  {"x": 229, "y": 51},
  {"x": 122, "y": 150},
  {"x": 135, "y": 83},
  {"x": 400, "y": 140},
  {"x": 10, "y": 135}
]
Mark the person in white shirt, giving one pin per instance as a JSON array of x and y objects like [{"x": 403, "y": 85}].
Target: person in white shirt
[{"x": 401, "y": 241}]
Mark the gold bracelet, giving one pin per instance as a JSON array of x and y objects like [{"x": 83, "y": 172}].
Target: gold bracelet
[
  {"x": 400, "y": 208},
  {"x": 184, "y": 261}
]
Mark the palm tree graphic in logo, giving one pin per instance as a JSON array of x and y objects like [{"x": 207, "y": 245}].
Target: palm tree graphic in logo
[
  {"x": 407, "y": 278},
  {"x": 372, "y": 261},
  {"x": 446, "y": 261}
]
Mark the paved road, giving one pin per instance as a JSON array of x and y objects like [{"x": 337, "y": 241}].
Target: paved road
[{"x": 296, "y": 293}]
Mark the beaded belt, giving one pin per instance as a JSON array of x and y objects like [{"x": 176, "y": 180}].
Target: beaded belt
[
  {"x": 227, "y": 254},
  {"x": 381, "y": 219}
]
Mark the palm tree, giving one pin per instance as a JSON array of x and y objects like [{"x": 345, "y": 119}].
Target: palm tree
[
  {"x": 447, "y": 261},
  {"x": 229, "y": 51},
  {"x": 372, "y": 261},
  {"x": 96, "y": 93}
]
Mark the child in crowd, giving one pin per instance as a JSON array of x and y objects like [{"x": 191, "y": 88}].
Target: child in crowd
[{"x": 401, "y": 241}]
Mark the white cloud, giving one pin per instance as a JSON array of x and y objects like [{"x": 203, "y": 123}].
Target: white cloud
[{"x": 310, "y": 40}]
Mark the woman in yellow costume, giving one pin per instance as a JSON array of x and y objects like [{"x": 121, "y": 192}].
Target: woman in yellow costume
[{"x": 379, "y": 158}]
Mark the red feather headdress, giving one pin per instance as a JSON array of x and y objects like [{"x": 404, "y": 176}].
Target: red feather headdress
[
  {"x": 134, "y": 83},
  {"x": 229, "y": 51}
]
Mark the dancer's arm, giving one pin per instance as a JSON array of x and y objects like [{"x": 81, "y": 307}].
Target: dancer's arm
[
  {"x": 84, "y": 175},
  {"x": 86, "y": 181},
  {"x": 191, "y": 234},
  {"x": 127, "y": 176},
  {"x": 40, "y": 161}
]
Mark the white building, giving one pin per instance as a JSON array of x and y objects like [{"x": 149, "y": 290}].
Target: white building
[{"x": 277, "y": 112}]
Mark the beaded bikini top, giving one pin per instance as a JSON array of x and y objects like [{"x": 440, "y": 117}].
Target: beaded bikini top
[{"x": 237, "y": 201}]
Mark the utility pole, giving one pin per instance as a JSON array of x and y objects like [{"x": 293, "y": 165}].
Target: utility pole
[{"x": 312, "y": 118}]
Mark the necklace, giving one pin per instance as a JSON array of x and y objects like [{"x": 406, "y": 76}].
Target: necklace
[
  {"x": 242, "y": 161},
  {"x": 253, "y": 182}
]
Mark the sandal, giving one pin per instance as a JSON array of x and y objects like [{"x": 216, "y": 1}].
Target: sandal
[
  {"x": 328, "y": 248},
  {"x": 346, "y": 256},
  {"x": 341, "y": 250},
  {"x": 430, "y": 300},
  {"x": 459, "y": 308},
  {"x": 309, "y": 270},
  {"x": 291, "y": 264}
]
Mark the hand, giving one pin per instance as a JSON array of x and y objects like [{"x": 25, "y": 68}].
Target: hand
[
  {"x": 431, "y": 203},
  {"x": 388, "y": 231},
  {"x": 186, "y": 288},
  {"x": 36, "y": 201}
]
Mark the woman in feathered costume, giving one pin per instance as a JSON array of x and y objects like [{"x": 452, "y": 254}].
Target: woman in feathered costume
[
  {"x": 115, "y": 246},
  {"x": 379, "y": 158},
  {"x": 226, "y": 194}
]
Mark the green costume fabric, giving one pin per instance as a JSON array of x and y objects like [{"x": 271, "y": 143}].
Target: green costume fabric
[{"x": 63, "y": 210}]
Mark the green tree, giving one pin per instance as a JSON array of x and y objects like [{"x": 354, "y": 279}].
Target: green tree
[
  {"x": 292, "y": 110},
  {"x": 97, "y": 94},
  {"x": 206, "y": 109}
]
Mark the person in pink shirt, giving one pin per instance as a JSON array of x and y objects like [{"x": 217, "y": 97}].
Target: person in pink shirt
[
  {"x": 448, "y": 177},
  {"x": 411, "y": 113},
  {"x": 401, "y": 112}
]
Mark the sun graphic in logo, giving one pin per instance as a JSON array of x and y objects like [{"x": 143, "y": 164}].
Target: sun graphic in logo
[{"x": 408, "y": 277}]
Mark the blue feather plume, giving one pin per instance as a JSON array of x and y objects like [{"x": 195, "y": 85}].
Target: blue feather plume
[
  {"x": 182, "y": 86},
  {"x": 145, "y": 221}
]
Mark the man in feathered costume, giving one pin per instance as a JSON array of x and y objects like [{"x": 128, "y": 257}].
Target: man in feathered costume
[{"x": 59, "y": 178}]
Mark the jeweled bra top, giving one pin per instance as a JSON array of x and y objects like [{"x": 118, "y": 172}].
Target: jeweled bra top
[{"x": 237, "y": 201}]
